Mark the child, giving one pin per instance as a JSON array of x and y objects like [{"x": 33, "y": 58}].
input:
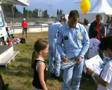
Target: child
[
  {"x": 104, "y": 80},
  {"x": 94, "y": 46},
  {"x": 38, "y": 64},
  {"x": 9, "y": 41}
]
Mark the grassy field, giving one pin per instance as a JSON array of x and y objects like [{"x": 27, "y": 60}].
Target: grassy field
[{"x": 19, "y": 75}]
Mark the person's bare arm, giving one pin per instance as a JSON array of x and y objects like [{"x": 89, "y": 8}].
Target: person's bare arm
[
  {"x": 96, "y": 77},
  {"x": 41, "y": 69},
  {"x": 99, "y": 80}
]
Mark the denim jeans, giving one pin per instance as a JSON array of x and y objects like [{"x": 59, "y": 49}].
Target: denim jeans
[
  {"x": 72, "y": 76},
  {"x": 51, "y": 59},
  {"x": 54, "y": 61}
]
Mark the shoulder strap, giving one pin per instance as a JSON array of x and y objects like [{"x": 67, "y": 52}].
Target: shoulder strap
[{"x": 40, "y": 61}]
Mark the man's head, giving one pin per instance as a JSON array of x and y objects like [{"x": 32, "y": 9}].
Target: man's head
[
  {"x": 62, "y": 19},
  {"x": 86, "y": 22},
  {"x": 98, "y": 18},
  {"x": 73, "y": 18},
  {"x": 24, "y": 19}
]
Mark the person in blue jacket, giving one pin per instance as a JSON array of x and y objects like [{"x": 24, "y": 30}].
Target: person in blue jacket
[
  {"x": 72, "y": 44},
  {"x": 54, "y": 56}
]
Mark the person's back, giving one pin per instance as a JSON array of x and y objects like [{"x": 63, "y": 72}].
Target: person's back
[
  {"x": 94, "y": 45},
  {"x": 93, "y": 48},
  {"x": 53, "y": 31},
  {"x": 54, "y": 57},
  {"x": 36, "y": 82},
  {"x": 54, "y": 28}
]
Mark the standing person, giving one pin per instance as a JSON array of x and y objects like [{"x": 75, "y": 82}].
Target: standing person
[
  {"x": 72, "y": 43},
  {"x": 38, "y": 64},
  {"x": 110, "y": 27},
  {"x": 9, "y": 41},
  {"x": 54, "y": 57},
  {"x": 24, "y": 25},
  {"x": 94, "y": 46},
  {"x": 86, "y": 24},
  {"x": 2, "y": 41},
  {"x": 104, "y": 80},
  {"x": 97, "y": 26}
]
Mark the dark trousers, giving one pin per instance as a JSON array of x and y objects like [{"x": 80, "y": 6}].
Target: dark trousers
[{"x": 24, "y": 32}]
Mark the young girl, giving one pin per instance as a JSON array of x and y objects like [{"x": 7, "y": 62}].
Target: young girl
[
  {"x": 104, "y": 80},
  {"x": 38, "y": 64}
]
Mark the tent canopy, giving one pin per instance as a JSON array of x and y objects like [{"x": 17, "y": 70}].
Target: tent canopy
[
  {"x": 102, "y": 7},
  {"x": 18, "y": 2}
]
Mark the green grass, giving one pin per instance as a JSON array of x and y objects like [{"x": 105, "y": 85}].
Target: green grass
[{"x": 19, "y": 75}]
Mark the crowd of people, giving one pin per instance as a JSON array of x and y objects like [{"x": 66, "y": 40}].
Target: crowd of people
[{"x": 71, "y": 41}]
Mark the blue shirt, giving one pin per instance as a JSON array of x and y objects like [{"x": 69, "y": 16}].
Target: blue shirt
[
  {"x": 52, "y": 33},
  {"x": 72, "y": 42}
]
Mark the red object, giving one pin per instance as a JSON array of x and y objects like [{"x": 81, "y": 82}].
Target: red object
[
  {"x": 9, "y": 42},
  {"x": 24, "y": 24}
]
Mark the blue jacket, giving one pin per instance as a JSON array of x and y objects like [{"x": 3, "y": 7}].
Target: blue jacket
[
  {"x": 52, "y": 32},
  {"x": 72, "y": 42}
]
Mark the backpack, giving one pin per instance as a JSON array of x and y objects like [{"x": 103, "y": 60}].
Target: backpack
[{"x": 22, "y": 40}]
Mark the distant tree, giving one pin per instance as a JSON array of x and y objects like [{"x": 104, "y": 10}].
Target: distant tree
[
  {"x": 16, "y": 12},
  {"x": 53, "y": 17},
  {"x": 35, "y": 13},
  {"x": 29, "y": 13},
  {"x": 61, "y": 12},
  {"x": 25, "y": 12},
  {"x": 58, "y": 12},
  {"x": 45, "y": 14}
]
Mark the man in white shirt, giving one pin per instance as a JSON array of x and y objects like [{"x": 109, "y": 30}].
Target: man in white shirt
[
  {"x": 106, "y": 75},
  {"x": 104, "y": 80}
]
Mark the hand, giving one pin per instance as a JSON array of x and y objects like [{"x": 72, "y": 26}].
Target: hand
[
  {"x": 89, "y": 71},
  {"x": 79, "y": 59}
]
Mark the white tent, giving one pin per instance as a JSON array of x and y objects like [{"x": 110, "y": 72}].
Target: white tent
[
  {"x": 25, "y": 2},
  {"x": 17, "y": 2},
  {"x": 102, "y": 7}
]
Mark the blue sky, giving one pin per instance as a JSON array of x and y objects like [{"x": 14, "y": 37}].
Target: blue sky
[{"x": 53, "y": 5}]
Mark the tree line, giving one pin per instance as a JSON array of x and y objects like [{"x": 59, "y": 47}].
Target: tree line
[{"x": 12, "y": 11}]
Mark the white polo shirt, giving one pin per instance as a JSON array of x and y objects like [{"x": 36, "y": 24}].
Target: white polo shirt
[{"x": 106, "y": 75}]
